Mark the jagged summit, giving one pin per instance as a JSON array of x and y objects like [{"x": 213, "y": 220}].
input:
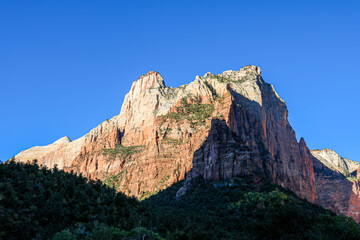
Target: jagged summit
[
  {"x": 251, "y": 68},
  {"x": 150, "y": 80},
  {"x": 245, "y": 73},
  {"x": 149, "y": 98},
  {"x": 154, "y": 79}
]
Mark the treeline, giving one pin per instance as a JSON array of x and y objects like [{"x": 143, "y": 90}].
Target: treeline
[
  {"x": 237, "y": 209},
  {"x": 37, "y": 203}
]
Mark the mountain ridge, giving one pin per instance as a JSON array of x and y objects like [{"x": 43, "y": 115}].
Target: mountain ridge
[{"x": 216, "y": 127}]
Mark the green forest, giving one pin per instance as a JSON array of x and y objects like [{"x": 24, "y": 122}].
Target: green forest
[{"x": 38, "y": 203}]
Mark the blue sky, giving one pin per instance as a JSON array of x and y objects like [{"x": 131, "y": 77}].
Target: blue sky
[{"x": 65, "y": 66}]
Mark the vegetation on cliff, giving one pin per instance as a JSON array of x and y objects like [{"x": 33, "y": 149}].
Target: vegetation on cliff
[
  {"x": 37, "y": 203},
  {"x": 195, "y": 112},
  {"x": 121, "y": 151}
]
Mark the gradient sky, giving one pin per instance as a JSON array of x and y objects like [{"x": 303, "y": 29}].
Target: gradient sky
[{"x": 65, "y": 66}]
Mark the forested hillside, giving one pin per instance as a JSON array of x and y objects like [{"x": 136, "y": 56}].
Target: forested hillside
[{"x": 37, "y": 203}]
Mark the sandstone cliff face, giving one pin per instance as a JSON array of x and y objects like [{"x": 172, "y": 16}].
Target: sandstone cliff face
[
  {"x": 218, "y": 126},
  {"x": 62, "y": 153},
  {"x": 335, "y": 191},
  {"x": 335, "y": 162}
]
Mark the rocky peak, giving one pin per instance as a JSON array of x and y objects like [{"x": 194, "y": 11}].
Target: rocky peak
[
  {"x": 251, "y": 69},
  {"x": 334, "y": 161},
  {"x": 302, "y": 142},
  {"x": 150, "y": 80}
]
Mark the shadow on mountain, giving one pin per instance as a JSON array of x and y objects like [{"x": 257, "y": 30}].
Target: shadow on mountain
[
  {"x": 223, "y": 155},
  {"x": 334, "y": 190},
  {"x": 238, "y": 147}
]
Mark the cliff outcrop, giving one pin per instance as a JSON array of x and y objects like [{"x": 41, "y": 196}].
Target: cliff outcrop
[
  {"x": 337, "y": 183},
  {"x": 335, "y": 162}
]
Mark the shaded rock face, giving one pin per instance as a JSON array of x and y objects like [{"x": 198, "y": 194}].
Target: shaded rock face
[
  {"x": 218, "y": 127},
  {"x": 335, "y": 191},
  {"x": 256, "y": 137}
]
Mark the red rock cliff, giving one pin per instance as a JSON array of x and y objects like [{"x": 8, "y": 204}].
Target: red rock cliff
[
  {"x": 338, "y": 189},
  {"x": 218, "y": 126}
]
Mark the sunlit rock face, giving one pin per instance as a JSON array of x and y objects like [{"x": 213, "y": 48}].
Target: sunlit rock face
[
  {"x": 337, "y": 183},
  {"x": 217, "y": 127},
  {"x": 61, "y": 153},
  {"x": 335, "y": 162}
]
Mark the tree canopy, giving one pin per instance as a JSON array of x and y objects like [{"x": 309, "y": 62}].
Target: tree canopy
[{"x": 38, "y": 203}]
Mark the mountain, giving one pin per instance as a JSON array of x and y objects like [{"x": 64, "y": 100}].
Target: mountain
[{"x": 217, "y": 127}]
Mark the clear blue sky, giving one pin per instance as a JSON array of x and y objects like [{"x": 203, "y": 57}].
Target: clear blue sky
[{"x": 65, "y": 66}]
